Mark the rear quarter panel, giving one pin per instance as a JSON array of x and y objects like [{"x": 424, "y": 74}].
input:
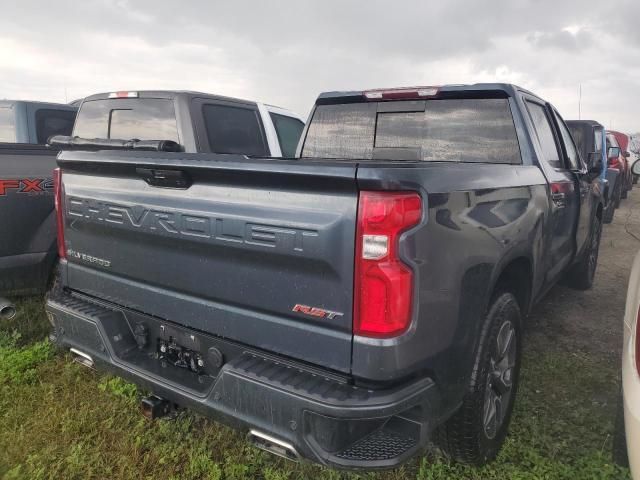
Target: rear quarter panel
[
  {"x": 478, "y": 218},
  {"x": 27, "y": 220}
]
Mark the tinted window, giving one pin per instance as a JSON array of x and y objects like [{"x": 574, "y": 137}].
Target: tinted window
[
  {"x": 572, "y": 153},
  {"x": 545, "y": 134},
  {"x": 53, "y": 122},
  {"x": 234, "y": 130},
  {"x": 598, "y": 141},
  {"x": 126, "y": 119},
  {"x": 341, "y": 131},
  {"x": 455, "y": 130},
  {"x": 7, "y": 125},
  {"x": 577, "y": 132},
  {"x": 289, "y": 130}
]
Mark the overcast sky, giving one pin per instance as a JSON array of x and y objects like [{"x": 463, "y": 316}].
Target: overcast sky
[{"x": 286, "y": 52}]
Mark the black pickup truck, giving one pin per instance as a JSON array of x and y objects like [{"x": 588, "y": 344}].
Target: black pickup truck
[
  {"x": 590, "y": 139},
  {"x": 346, "y": 306},
  {"x": 27, "y": 218}
]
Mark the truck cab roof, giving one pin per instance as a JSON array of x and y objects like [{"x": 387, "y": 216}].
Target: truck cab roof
[
  {"x": 54, "y": 105},
  {"x": 171, "y": 94},
  {"x": 500, "y": 90}
]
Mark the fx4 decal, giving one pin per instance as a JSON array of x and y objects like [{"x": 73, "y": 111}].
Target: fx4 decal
[{"x": 29, "y": 186}]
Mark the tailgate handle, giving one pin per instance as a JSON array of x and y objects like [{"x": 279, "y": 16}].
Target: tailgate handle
[{"x": 165, "y": 178}]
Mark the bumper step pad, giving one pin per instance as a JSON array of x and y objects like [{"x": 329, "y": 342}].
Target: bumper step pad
[{"x": 379, "y": 445}]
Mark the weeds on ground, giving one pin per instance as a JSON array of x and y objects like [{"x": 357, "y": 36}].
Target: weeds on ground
[{"x": 61, "y": 420}]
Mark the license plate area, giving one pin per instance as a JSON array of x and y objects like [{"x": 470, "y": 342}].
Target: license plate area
[
  {"x": 175, "y": 346},
  {"x": 179, "y": 356},
  {"x": 191, "y": 360}
]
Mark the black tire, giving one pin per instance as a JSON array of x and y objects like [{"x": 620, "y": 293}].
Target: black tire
[
  {"x": 475, "y": 433},
  {"x": 581, "y": 275},
  {"x": 635, "y": 179},
  {"x": 617, "y": 195},
  {"x": 620, "y": 454},
  {"x": 609, "y": 212},
  {"x": 624, "y": 194}
]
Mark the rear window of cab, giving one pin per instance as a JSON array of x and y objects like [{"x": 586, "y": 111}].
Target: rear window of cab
[
  {"x": 439, "y": 130},
  {"x": 127, "y": 119}
]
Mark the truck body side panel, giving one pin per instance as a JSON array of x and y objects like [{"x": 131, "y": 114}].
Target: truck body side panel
[
  {"x": 27, "y": 220},
  {"x": 479, "y": 219}
]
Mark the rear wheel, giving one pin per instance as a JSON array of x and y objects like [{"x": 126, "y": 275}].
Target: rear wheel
[
  {"x": 582, "y": 274},
  {"x": 475, "y": 433},
  {"x": 617, "y": 195},
  {"x": 609, "y": 212}
]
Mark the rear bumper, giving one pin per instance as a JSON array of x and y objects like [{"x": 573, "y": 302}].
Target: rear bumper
[{"x": 324, "y": 417}]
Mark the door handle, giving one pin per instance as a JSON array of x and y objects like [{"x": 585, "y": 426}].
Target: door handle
[{"x": 165, "y": 178}]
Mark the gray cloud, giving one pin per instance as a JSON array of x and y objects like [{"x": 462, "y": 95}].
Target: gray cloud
[
  {"x": 562, "y": 39},
  {"x": 286, "y": 52}
]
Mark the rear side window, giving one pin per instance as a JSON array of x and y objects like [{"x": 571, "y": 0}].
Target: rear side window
[
  {"x": 127, "y": 119},
  {"x": 7, "y": 125},
  {"x": 577, "y": 132},
  {"x": 452, "y": 130},
  {"x": 598, "y": 141},
  {"x": 234, "y": 130},
  {"x": 53, "y": 122},
  {"x": 572, "y": 153},
  {"x": 288, "y": 130},
  {"x": 545, "y": 134}
]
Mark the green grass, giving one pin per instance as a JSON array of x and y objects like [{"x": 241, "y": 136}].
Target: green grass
[{"x": 60, "y": 420}]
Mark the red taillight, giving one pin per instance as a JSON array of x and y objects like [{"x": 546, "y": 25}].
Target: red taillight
[
  {"x": 57, "y": 189},
  {"x": 383, "y": 282},
  {"x": 416, "y": 93},
  {"x": 615, "y": 163}
]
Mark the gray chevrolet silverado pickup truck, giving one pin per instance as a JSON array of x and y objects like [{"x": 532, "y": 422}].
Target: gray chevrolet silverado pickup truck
[
  {"x": 346, "y": 306},
  {"x": 27, "y": 219}
]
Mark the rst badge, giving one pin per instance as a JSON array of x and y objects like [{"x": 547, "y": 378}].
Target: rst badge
[{"x": 316, "y": 312}]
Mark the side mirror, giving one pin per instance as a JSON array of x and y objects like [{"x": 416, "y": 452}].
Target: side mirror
[
  {"x": 635, "y": 168},
  {"x": 626, "y": 154},
  {"x": 613, "y": 152}
]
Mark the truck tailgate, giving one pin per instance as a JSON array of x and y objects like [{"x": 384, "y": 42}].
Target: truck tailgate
[{"x": 257, "y": 251}]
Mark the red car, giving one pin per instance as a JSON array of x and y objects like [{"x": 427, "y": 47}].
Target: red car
[{"x": 622, "y": 140}]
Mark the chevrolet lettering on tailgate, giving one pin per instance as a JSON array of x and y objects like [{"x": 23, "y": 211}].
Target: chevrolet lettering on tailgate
[{"x": 219, "y": 228}]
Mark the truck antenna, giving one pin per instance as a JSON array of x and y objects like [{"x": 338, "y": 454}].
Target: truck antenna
[{"x": 580, "y": 101}]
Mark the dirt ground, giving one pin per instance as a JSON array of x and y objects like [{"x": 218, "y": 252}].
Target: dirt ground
[{"x": 591, "y": 321}]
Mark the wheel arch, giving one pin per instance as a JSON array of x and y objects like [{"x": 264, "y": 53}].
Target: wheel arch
[{"x": 516, "y": 276}]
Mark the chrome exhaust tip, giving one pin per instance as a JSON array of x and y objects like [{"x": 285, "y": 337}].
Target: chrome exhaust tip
[
  {"x": 7, "y": 309},
  {"x": 82, "y": 358},
  {"x": 273, "y": 445}
]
